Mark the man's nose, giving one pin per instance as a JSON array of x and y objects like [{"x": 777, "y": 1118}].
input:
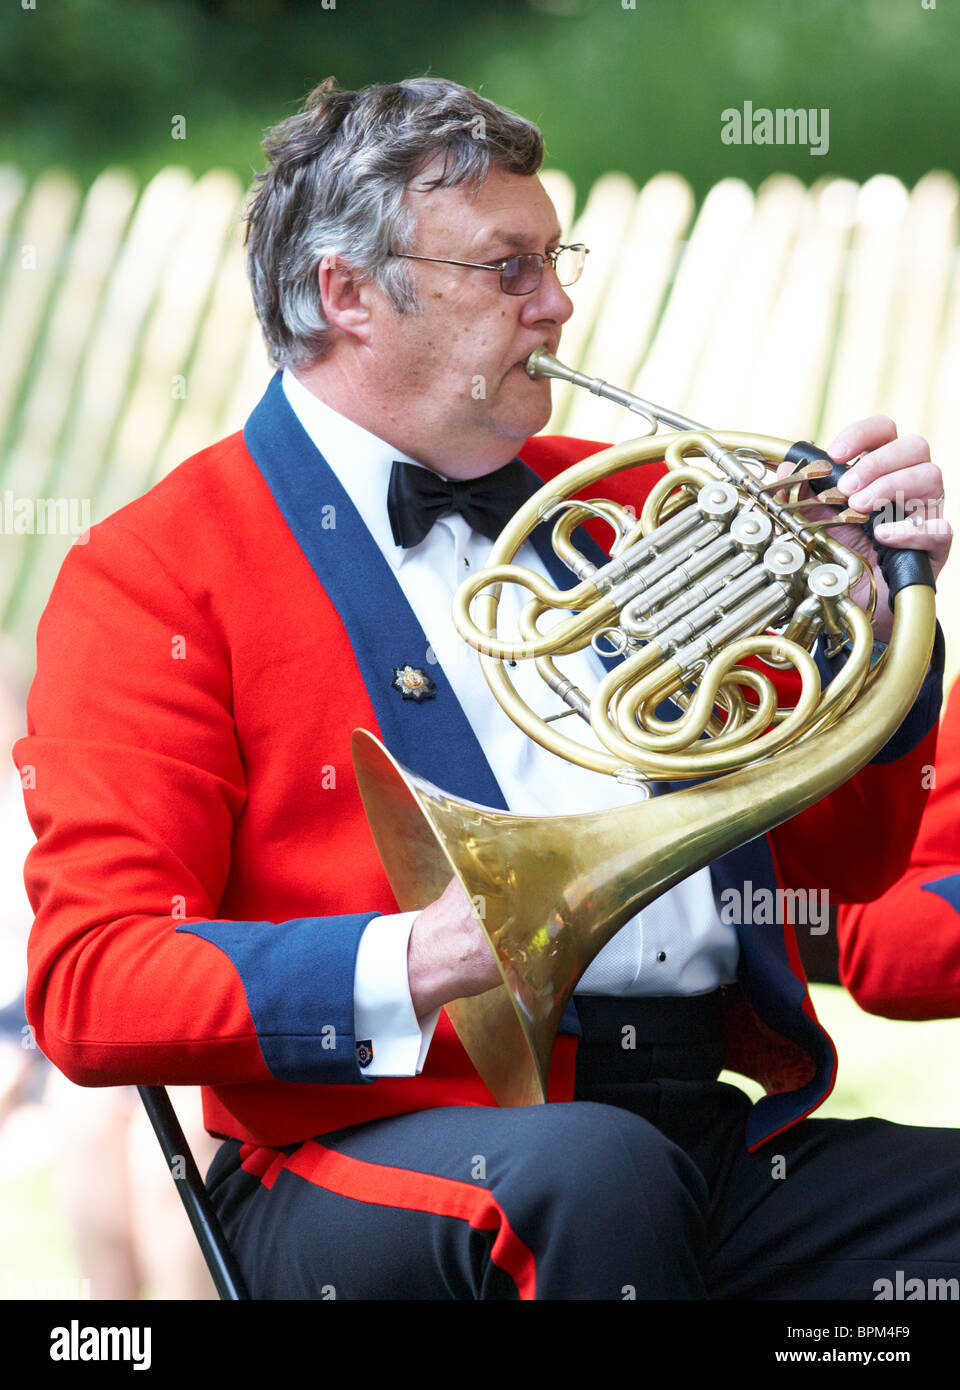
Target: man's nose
[{"x": 549, "y": 301}]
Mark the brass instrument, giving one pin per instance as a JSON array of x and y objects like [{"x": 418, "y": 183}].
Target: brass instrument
[{"x": 722, "y": 566}]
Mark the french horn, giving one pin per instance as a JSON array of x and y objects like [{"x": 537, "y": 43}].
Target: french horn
[{"x": 722, "y": 576}]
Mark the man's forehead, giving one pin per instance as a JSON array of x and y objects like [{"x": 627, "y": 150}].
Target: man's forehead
[
  {"x": 513, "y": 240},
  {"x": 514, "y": 211}
]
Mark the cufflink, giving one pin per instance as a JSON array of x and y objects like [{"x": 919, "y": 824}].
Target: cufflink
[{"x": 365, "y": 1052}]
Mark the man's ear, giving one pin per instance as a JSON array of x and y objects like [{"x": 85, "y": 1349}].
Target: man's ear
[{"x": 344, "y": 296}]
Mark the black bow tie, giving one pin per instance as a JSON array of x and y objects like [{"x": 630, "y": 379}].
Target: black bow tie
[{"x": 417, "y": 497}]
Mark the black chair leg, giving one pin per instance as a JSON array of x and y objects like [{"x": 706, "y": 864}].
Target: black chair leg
[{"x": 221, "y": 1263}]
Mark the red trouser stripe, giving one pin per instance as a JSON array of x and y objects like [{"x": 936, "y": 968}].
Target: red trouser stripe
[{"x": 401, "y": 1187}]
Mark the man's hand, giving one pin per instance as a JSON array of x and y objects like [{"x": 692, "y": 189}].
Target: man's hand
[
  {"x": 894, "y": 472},
  {"x": 449, "y": 956}
]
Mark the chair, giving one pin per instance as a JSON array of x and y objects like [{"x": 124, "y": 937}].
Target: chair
[{"x": 223, "y": 1267}]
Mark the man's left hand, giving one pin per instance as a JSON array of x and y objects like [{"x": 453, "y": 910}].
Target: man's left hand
[{"x": 898, "y": 473}]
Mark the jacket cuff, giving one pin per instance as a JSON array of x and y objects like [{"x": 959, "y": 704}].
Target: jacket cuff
[{"x": 297, "y": 977}]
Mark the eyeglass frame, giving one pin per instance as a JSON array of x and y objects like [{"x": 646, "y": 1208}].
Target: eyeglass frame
[{"x": 501, "y": 264}]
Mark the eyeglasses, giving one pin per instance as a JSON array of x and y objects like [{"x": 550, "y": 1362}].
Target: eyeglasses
[{"x": 522, "y": 274}]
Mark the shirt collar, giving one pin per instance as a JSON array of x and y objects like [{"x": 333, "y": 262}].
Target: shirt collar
[{"x": 360, "y": 460}]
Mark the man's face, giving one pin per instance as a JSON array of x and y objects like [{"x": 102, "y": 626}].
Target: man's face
[{"x": 454, "y": 372}]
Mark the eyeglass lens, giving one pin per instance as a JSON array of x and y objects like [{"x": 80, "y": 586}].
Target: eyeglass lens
[{"x": 522, "y": 274}]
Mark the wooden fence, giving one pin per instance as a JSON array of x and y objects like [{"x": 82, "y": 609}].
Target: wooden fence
[{"x": 130, "y": 342}]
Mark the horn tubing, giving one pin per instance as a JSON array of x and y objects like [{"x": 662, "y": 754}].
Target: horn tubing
[{"x": 555, "y": 889}]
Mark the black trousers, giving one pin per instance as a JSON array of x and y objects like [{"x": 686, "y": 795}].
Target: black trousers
[{"x": 641, "y": 1187}]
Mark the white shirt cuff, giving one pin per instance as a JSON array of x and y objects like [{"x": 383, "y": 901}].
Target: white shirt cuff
[{"x": 383, "y": 1012}]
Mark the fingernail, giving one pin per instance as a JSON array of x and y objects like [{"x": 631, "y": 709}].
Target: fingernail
[
  {"x": 849, "y": 482},
  {"x": 839, "y": 449}
]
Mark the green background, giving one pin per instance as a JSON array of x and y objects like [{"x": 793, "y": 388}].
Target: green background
[{"x": 84, "y": 83}]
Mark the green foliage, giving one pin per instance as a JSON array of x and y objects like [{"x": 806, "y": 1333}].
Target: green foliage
[{"x": 88, "y": 82}]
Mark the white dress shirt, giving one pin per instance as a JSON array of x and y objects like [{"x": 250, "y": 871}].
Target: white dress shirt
[{"x": 678, "y": 944}]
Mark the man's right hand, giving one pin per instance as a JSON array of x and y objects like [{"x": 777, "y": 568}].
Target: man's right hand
[{"x": 449, "y": 956}]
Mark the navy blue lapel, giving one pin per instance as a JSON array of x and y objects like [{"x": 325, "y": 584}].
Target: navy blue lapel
[
  {"x": 767, "y": 978},
  {"x": 380, "y": 623}
]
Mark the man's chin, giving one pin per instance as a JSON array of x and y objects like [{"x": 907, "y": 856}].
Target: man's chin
[{"x": 531, "y": 417}]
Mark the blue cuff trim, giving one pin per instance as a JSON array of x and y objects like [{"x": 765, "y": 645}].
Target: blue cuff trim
[
  {"x": 946, "y": 888},
  {"x": 298, "y": 980},
  {"x": 925, "y": 712},
  {"x": 570, "y": 1020},
  {"x": 926, "y": 708}
]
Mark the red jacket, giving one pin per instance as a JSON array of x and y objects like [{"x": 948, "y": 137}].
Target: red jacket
[
  {"x": 204, "y": 870},
  {"x": 900, "y": 955}
]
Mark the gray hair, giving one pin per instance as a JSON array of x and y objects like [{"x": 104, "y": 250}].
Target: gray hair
[{"x": 335, "y": 185}]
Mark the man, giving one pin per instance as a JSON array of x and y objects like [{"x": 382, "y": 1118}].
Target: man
[{"x": 202, "y": 663}]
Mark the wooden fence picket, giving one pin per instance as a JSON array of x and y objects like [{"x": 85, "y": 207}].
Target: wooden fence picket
[
  {"x": 49, "y": 392},
  {"x": 102, "y": 387},
  {"x": 38, "y": 246},
  {"x": 637, "y": 291}
]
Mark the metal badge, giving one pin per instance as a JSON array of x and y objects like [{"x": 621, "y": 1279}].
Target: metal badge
[{"x": 413, "y": 683}]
